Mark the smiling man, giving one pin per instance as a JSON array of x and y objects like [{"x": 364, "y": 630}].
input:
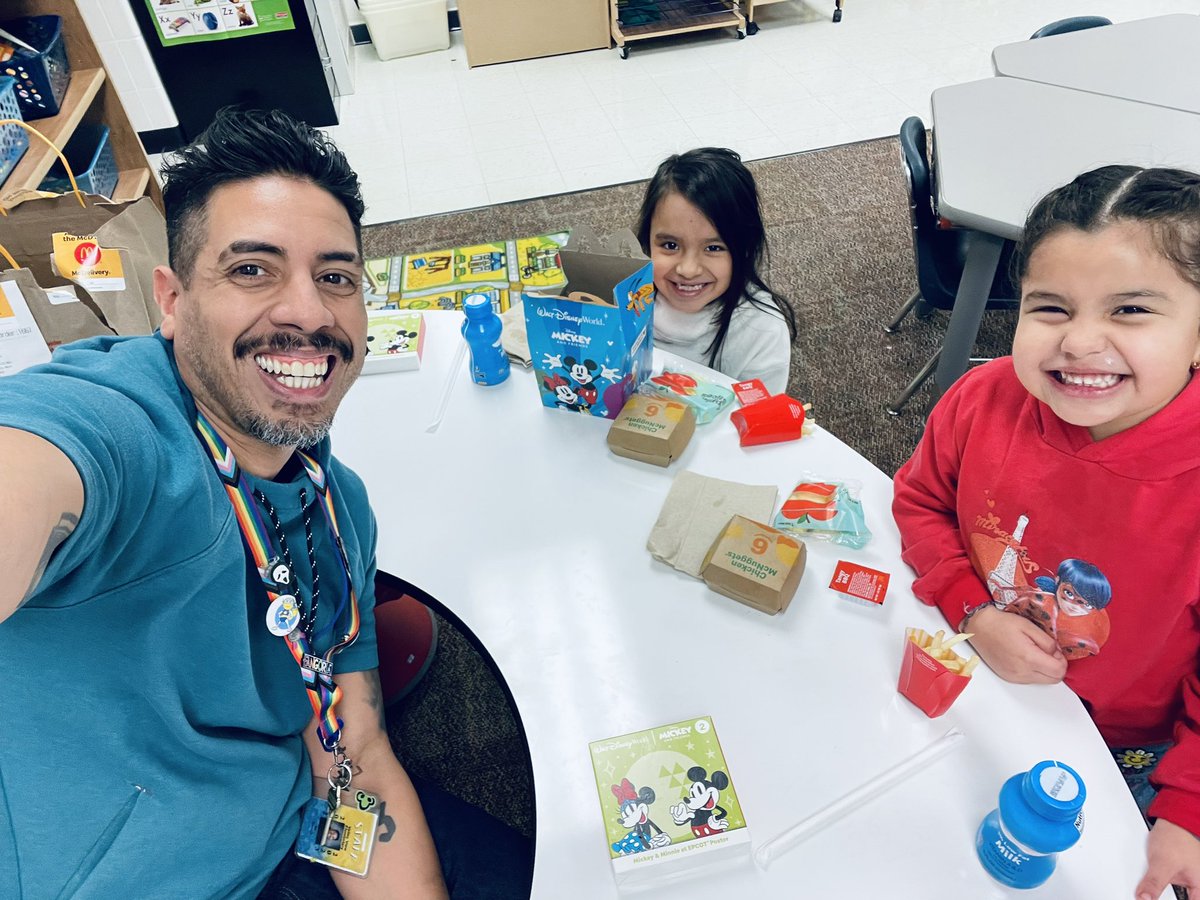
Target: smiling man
[{"x": 186, "y": 613}]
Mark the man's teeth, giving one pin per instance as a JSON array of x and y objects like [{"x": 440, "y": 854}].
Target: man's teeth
[
  {"x": 1098, "y": 381},
  {"x": 294, "y": 373}
]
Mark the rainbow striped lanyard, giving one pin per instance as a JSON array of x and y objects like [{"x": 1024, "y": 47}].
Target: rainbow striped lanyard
[{"x": 317, "y": 669}]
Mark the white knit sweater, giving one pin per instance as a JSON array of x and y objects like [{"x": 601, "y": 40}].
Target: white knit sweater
[{"x": 757, "y": 344}]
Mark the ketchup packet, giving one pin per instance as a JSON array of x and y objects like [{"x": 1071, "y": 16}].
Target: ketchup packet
[
  {"x": 827, "y": 510},
  {"x": 751, "y": 391}
]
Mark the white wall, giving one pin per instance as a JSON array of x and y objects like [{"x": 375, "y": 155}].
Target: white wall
[{"x": 128, "y": 62}]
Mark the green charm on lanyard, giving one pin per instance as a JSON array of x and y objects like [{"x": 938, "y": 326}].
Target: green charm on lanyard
[{"x": 335, "y": 835}]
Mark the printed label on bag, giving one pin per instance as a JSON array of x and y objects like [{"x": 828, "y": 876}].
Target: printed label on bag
[{"x": 79, "y": 258}]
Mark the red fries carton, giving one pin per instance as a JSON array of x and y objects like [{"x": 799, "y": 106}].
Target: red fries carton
[
  {"x": 927, "y": 682},
  {"x": 778, "y": 418}
]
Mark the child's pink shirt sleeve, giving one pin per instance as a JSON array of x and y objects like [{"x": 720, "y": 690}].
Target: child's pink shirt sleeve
[{"x": 926, "y": 510}]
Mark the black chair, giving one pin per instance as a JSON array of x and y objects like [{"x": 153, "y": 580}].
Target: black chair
[
  {"x": 1066, "y": 26},
  {"x": 939, "y": 254}
]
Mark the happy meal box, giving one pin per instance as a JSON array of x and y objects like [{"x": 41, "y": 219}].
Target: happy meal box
[
  {"x": 592, "y": 342},
  {"x": 670, "y": 810}
]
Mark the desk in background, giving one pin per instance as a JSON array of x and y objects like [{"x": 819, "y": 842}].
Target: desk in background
[
  {"x": 1154, "y": 61},
  {"x": 1002, "y": 143},
  {"x": 532, "y": 533}
]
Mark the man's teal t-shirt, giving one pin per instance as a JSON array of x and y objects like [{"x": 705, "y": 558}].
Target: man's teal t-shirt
[{"x": 151, "y": 723}]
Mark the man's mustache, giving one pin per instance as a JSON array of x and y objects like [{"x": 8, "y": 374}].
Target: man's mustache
[{"x": 286, "y": 342}]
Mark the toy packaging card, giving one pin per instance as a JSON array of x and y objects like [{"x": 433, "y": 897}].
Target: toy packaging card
[
  {"x": 593, "y": 344},
  {"x": 395, "y": 341},
  {"x": 668, "y": 802},
  {"x": 459, "y": 266}
]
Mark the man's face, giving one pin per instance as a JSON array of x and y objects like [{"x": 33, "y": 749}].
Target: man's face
[{"x": 270, "y": 332}]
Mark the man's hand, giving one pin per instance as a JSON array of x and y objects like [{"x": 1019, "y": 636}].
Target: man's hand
[
  {"x": 1015, "y": 648},
  {"x": 1172, "y": 857}
]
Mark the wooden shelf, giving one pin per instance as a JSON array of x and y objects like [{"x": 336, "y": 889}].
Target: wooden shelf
[
  {"x": 131, "y": 184},
  {"x": 38, "y": 159},
  {"x": 678, "y": 17}
]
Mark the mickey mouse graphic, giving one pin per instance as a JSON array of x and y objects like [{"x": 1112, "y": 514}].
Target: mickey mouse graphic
[
  {"x": 634, "y": 813},
  {"x": 400, "y": 342},
  {"x": 700, "y": 804},
  {"x": 582, "y": 373}
]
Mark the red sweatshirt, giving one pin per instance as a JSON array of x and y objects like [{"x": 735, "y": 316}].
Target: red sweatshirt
[{"x": 1000, "y": 492}]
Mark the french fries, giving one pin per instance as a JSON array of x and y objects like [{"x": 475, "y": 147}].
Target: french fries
[{"x": 941, "y": 648}]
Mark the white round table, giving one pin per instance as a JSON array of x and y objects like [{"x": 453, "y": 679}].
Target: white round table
[{"x": 520, "y": 521}]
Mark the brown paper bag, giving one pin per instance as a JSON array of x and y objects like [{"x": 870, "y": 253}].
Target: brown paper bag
[{"x": 135, "y": 229}]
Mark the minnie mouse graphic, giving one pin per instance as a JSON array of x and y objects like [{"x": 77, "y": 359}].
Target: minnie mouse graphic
[{"x": 634, "y": 813}]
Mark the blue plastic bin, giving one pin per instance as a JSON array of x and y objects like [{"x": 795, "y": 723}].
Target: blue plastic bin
[
  {"x": 13, "y": 139},
  {"x": 41, "y": 77},
  {"x": 91, "y": 157}
]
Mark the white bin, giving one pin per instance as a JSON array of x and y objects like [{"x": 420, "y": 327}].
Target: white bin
[{"x": 405, "y": 27}]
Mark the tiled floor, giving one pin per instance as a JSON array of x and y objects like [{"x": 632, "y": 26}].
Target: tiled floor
[{"x": 427, "y": 134}]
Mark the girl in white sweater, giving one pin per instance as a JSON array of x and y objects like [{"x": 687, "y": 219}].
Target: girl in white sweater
[{"x": 701, "y": 226}]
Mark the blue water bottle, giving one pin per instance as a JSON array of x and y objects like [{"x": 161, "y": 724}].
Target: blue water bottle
[
  {"x": 1040, "y": 815},
  {"x": 481, "y": 328}
]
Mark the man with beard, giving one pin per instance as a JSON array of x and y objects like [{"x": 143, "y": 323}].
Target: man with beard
[{"x": 186, "y": 612}]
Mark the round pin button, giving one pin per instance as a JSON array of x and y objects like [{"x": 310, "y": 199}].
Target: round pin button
[{"x": 283, "y": 615}]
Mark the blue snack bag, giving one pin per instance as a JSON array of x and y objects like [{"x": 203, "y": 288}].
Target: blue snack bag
[{"x": 827, "y": 510}]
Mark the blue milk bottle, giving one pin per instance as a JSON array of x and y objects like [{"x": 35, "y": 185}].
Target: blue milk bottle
[
  {"x": 481, "y": 328},
  {"x": 1040, "y": 815}
]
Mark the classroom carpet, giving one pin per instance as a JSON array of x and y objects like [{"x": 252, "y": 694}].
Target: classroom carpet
[{"x": 841, "y": 254}]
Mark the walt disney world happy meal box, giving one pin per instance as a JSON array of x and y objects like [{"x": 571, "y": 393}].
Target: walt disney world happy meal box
[{"x": 592, "y": 343}]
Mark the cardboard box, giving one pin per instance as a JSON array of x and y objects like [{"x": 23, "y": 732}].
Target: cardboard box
[
  {"x": 652, "y": 430},
  {"x": 669, "y": 807},
  {"x": 927, "y": 683},
  {"x": 593, "y": 344},
  {"x": 395, "y": 341},
  {"x": 755, "y": 564},
  {"x": 524, "y": 29}
]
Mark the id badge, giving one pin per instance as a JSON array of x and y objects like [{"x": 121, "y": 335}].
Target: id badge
[{"x": 341, "y": 839}]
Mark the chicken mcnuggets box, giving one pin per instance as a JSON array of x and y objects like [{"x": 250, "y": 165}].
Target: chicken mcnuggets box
[
  {"x": 755, "y": 564},
  {"x": 652, "y": 430},
  {"x": 669, "y": 808},
  {"x": 592, "y": 342},
  {"x": 859, "y": 582}
]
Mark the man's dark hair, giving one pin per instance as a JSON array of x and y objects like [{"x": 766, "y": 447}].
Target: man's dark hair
[{"x": 239, "y": 145}]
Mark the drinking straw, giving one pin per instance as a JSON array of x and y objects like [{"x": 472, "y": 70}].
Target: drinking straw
[
  {"x": 451, "y": 379},
  {"x": 782, "y": 843}
]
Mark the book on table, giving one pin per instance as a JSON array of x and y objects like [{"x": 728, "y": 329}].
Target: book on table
[{"x": 669, "y": 806}]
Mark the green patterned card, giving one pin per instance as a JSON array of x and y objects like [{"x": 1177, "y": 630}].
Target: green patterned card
[{"x": 667, "y": 797}]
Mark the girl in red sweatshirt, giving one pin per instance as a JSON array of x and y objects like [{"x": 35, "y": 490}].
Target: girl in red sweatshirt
[{"x": 1052, "y": 506}]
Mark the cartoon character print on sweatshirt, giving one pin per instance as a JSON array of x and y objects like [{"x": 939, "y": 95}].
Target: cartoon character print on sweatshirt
[
  {"x": 633, "y": 812},
  {"x": 1068, "y": 605}
]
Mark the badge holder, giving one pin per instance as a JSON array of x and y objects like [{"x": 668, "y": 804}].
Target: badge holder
[{"x": 336, "y": 835}]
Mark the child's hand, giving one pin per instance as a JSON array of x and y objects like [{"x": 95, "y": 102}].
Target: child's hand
[
  {"x": 1015, "y": 648},
  {"x": 1172, "y": 857}
]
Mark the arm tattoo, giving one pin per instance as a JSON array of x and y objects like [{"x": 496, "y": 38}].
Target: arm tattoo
[
  {"x": 375, "y": 697},
  {"x": 58, "y": 534}
]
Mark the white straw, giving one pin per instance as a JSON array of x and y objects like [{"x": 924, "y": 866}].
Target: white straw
[
  {"x": 451, "y": 379},
  {"x": 782, "y": 843}
]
